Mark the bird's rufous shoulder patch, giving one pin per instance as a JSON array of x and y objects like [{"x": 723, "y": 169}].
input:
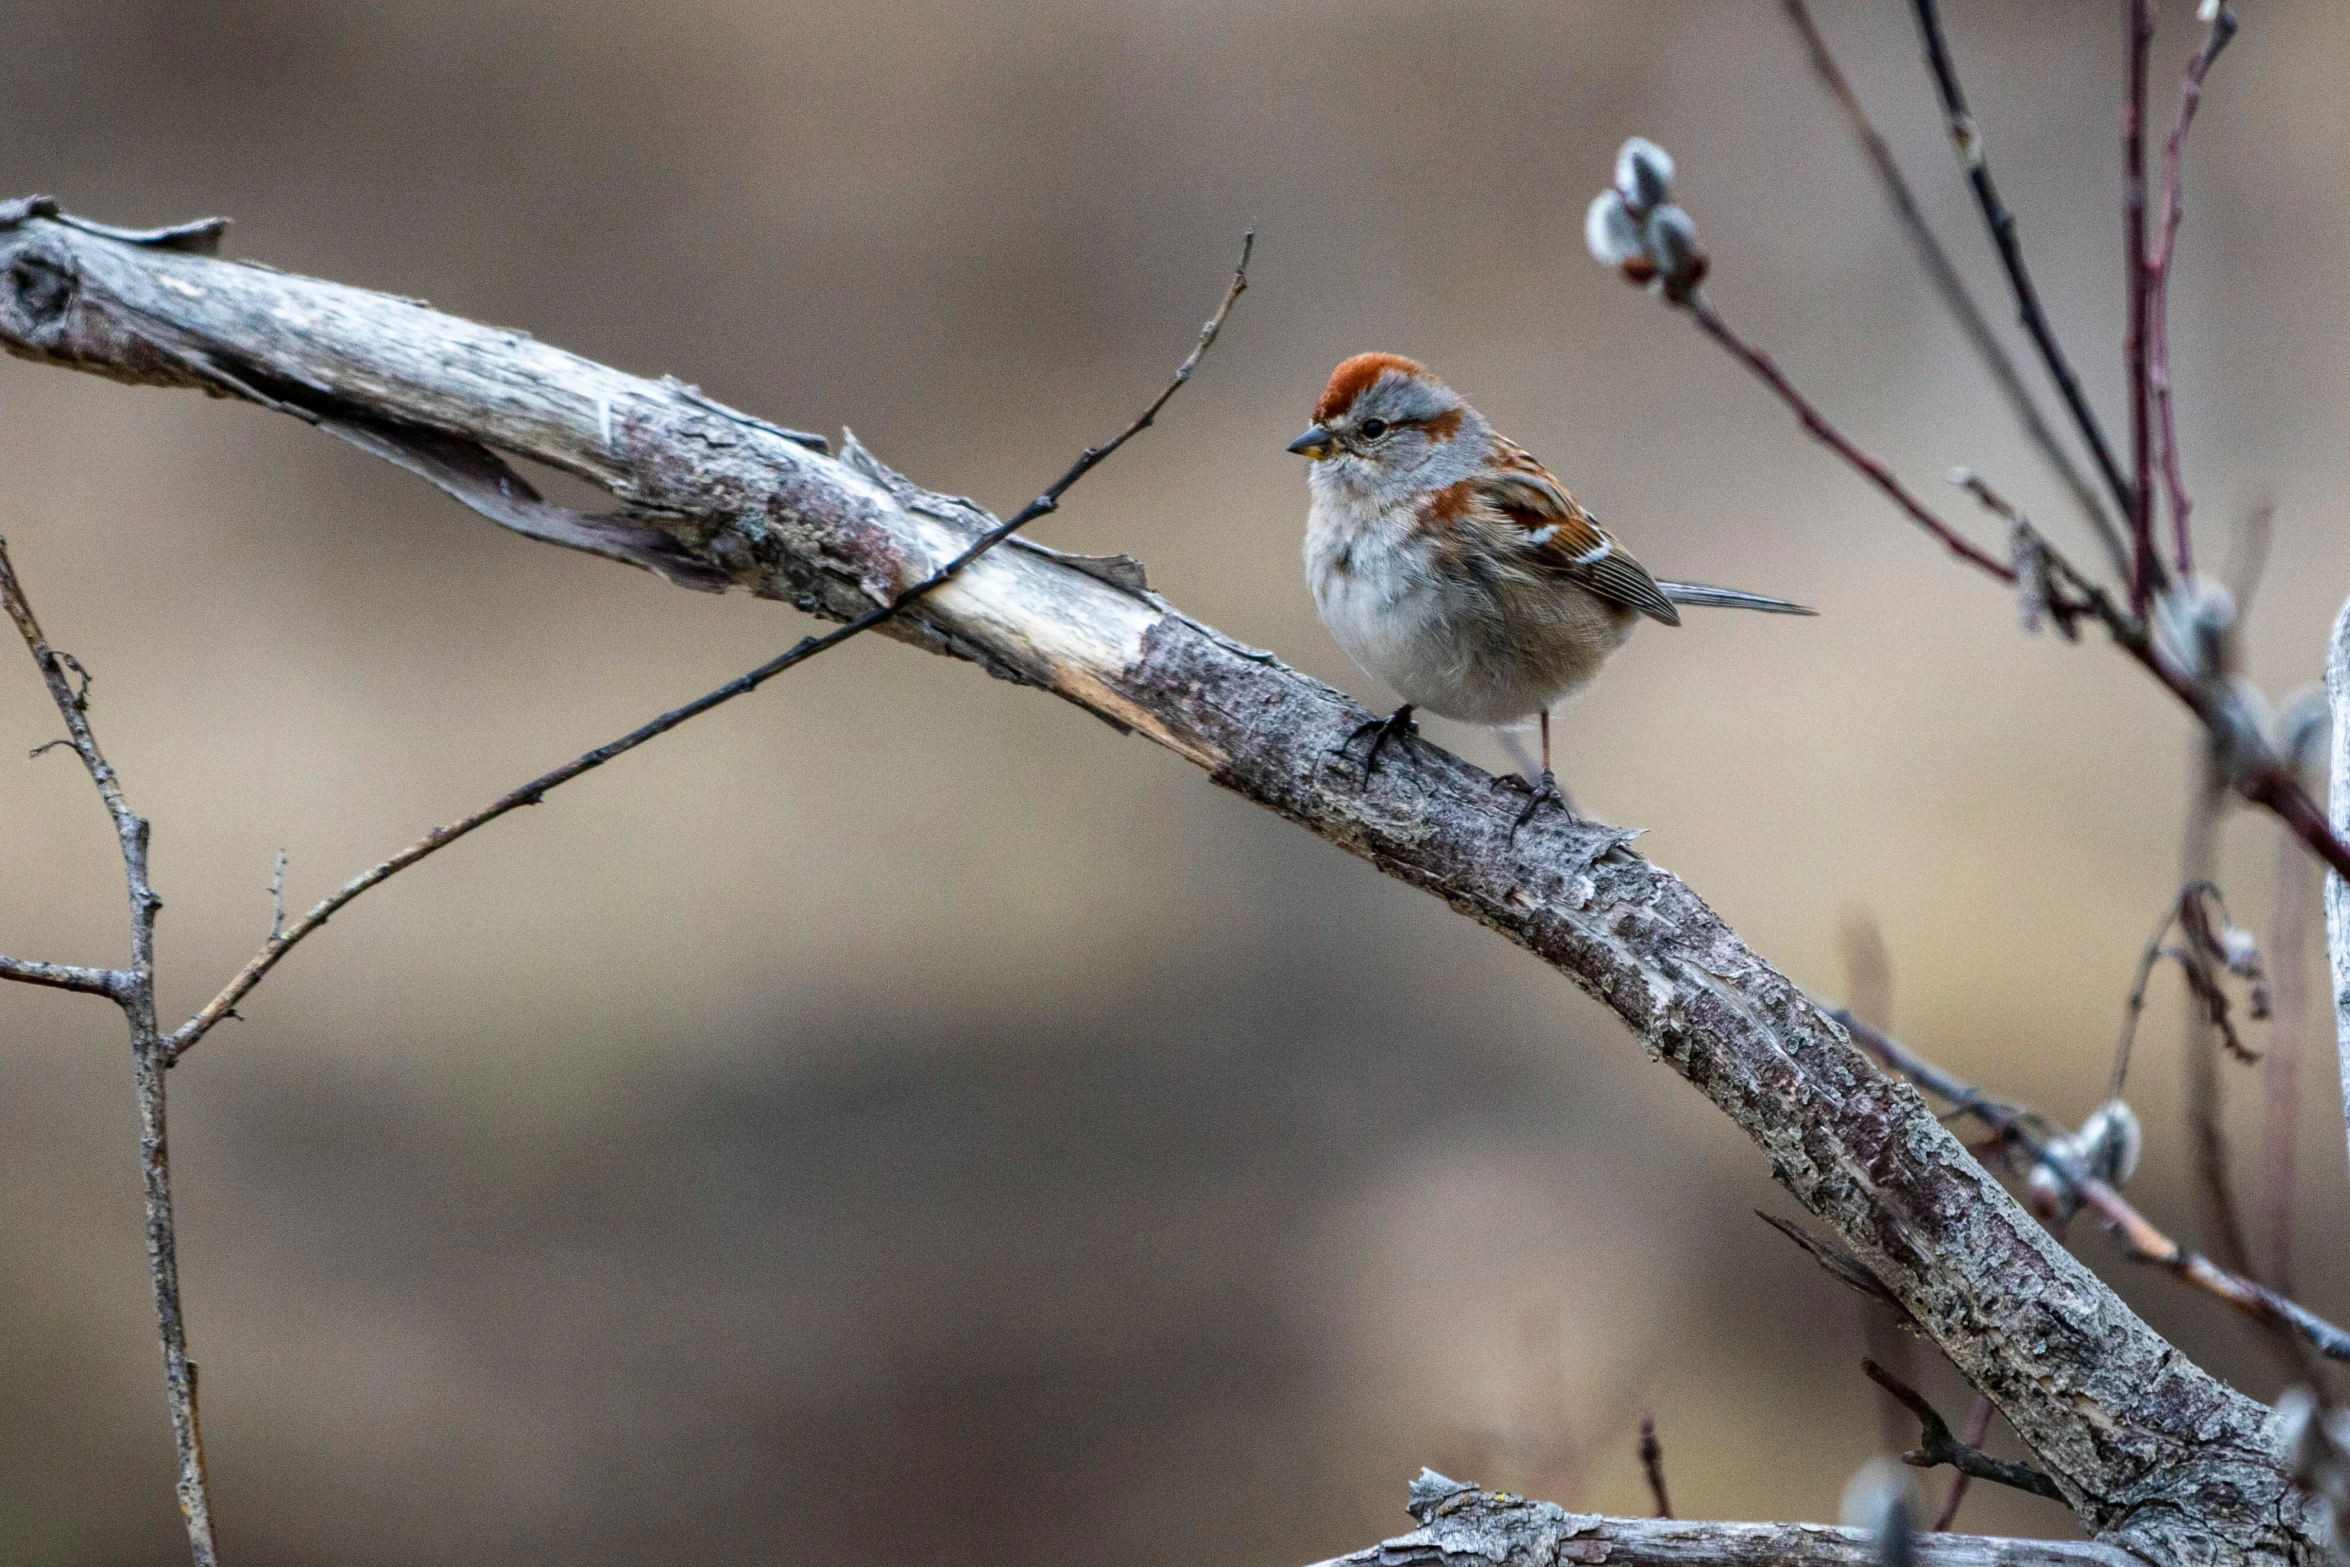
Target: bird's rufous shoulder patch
[
  {"x": 1353, "y": 375},
  {"x": 1447, "y": 506}
]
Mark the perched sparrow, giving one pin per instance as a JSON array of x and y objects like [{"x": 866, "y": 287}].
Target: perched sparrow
[{"x": 1454, "y": 568}]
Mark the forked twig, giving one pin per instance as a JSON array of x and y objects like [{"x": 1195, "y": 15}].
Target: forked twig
[
  {"x": 2255, "y": 770},
  {"x": 1956, "y": 296},
  {"x": 284, "y": 940},
  {"x": 1978, "y": 1425},
  {"x": 133, "y": 989},
  {"x": 1936, "y": 1444}
]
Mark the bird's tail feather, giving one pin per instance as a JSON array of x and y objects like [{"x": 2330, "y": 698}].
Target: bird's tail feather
[{"x": 1705, "y": 596}]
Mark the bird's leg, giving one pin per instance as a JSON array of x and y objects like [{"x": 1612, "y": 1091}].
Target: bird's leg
[
  {"x": 1546, "y": 792},
  {"x": 1396, "y": 726}
]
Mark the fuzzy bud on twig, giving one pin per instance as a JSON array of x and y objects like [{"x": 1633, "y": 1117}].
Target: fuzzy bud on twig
[
  {"x": 2304, "y": 728},
  {"x": 2106, "y": 1147},
  {"x": 1635, "y": 229},
  {"x": 2191, "y": 624},
  {"x": 1644, "y": 175}
]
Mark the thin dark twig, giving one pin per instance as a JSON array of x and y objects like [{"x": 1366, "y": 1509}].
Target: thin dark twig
[
  {"x": 1817, "y": 426},
  {"x": 2140, "y": 1239},
  {"x": 1968, "y": 139},
  {"x": 133, "y": 989},
  {"x": 2223, "y": 1221},
  {"x": 2157, "y": 284},
  {"x": 283, "y": 941},
  {"x": 1936, "y": 1444},
  {"x": 1956, "y": 297},
  {"x": 1840, "y": 1265},
  {"x": 2195, "y": 961},
  {"x": 1978, "y": 1425},
  {"x": 1652, "y": 1464},
  {"x": 2145, "y": 564}
]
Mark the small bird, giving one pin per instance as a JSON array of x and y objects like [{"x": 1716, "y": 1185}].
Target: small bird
[{"x": 1456, "y": 569}]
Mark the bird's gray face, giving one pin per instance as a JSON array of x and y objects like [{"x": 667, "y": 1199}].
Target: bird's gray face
[{"x": 1392, "y": 435}]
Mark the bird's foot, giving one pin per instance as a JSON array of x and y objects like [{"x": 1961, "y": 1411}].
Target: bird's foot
[
  {"x": 1547, "y": 792},
  {"x": 1396, "y": 726}
]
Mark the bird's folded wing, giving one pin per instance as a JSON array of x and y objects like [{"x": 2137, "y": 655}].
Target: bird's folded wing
[{"x": 1562, "y": 540}]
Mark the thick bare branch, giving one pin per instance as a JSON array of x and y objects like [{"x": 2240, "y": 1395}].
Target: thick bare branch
[
  {"x": 2139, "y": 1236},
  {"x": 2150, "y": 1450},
  {"x": 1465, "y": 1525},
  {"x": 283, "y": 937}
]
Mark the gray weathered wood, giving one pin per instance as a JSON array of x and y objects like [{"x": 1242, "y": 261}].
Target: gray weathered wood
[
  {"x": 2337, "y": 890},
  {"x": 2154, "y": 1453},
  {"x": 1476, "y": 1528}
]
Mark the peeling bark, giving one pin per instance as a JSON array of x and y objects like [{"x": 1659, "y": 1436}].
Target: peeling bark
[{"x": 2153, "y": 1453}]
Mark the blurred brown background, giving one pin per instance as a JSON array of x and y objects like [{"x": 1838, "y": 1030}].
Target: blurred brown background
[{"x": 896, "y": 1119}]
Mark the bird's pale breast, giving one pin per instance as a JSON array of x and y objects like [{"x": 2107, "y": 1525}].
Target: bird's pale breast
[{"x": 1475, "y": 642}]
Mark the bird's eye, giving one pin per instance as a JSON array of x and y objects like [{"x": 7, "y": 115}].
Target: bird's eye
[{"x": 1374, "y": 428}]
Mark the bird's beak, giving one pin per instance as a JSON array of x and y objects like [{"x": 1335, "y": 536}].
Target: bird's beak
[{"x": 1315, "y": 443}]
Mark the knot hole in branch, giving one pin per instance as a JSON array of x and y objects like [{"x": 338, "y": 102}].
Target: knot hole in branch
[{"x": 43, "y": 290}]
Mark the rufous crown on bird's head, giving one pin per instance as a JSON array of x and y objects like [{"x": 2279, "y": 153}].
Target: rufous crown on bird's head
[{"x": 1371, "y": 395}]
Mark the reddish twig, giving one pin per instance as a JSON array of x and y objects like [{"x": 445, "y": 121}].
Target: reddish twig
[
  {"x": 2196, "y": 962},
  {"x": 2208, "y": 1011},
  {"x": 2145, "y": 566},
  {"x": 2254, "y": 768},
  {"x": 284, "y": 937},
  {"x": 1978, "y": 1426},
  {"x": 2157, "y": 283},
  {"x": 1817, "y": 426}
]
